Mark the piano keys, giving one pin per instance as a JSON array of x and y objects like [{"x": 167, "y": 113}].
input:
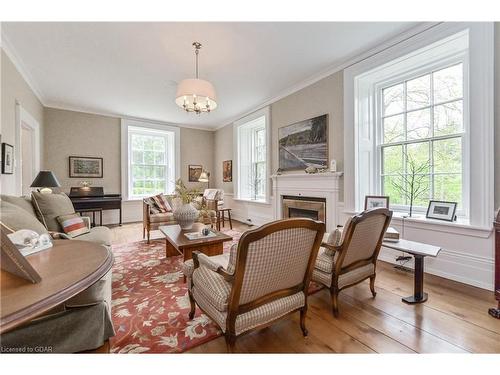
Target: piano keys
[{"x": 89, "y": 198}]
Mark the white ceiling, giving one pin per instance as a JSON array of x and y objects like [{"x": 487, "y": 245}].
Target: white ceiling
[{"x": 131, "y": 69}]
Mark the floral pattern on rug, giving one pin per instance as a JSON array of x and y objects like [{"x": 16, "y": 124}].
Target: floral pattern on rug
[{"x": 150, "y": 302}]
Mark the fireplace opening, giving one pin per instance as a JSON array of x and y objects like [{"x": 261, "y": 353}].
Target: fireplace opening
[
  {"x": 300, "y": 212},
  {"x": 307, "y": 207}
]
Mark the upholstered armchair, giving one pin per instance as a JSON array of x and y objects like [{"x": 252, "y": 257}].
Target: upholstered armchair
[
  {"x": 352, "y": 258},
  {"x": 264, "y": 278}
]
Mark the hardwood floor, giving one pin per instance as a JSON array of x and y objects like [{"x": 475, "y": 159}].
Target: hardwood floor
[{"x": 454, "y": 320}]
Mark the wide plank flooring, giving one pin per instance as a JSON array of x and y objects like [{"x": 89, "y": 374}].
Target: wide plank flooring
[{"x": 454, "y": 320}]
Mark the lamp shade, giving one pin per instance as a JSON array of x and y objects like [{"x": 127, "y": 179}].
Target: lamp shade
[
  {"x": 45, "y": 179},
  {"x": 199, "y": 91},
  {"x": 203, "y": 177}
]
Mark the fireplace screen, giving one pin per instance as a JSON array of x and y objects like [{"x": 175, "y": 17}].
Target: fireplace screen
[{"x": 308, "y": 207}]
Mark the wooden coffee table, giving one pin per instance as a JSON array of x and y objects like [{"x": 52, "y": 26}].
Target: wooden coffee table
[{"x": 178, "y": 244}]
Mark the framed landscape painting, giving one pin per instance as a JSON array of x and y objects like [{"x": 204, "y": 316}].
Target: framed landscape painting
[
  {"x": 227, "y": 171},
  {"x": 7, "y": 158},
  {"x": 304, "y": 144},
  {"x": 85, "y": 166}
]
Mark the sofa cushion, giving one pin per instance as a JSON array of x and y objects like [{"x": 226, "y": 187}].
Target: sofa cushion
[
  {"x": 163, "y": 217},
  {"x": 99, "y": 235},
  {"x": 49, "y": 206},
  {"x": 23, "y": 202},
  {"x": 15, "y": 218},
  {"x": 73, "y": 225}
]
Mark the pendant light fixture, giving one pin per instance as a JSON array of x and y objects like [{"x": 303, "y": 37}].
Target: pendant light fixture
[{"x": 194, "y": 94}]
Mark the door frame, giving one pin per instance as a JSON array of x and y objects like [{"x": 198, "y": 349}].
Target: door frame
[{"x": 23, "y": 116}]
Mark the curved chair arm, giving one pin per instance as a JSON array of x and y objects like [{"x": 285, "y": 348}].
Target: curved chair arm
[
  {"x": 200, "y": 258},
  {"x": 331, "y": 247}
]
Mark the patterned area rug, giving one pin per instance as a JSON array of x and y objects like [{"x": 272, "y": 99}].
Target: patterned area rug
[{"x": 150, "y": 304}]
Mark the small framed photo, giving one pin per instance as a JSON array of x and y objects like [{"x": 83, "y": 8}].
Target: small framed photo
[
  {"x": 7, "y": 158},
  {"x": 376, "y": 201},
  {"x": 194, "y": 172},
  {"x": 85, "y": 166},
  {"x": 441, "y": 210},
  {"x": 227, "y": 171}
]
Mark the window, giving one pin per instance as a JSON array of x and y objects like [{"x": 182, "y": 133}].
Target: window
[
  {"x": 251, "y": 135},
  {"x": 422, "y": 129},
  {"x": 439, "y": 104},
  {"x": 150, "y": 159}
]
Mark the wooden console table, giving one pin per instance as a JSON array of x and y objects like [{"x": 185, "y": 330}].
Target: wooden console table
[
  {"x": 419, "y": 252},
  {"x": 67, "y": 268},
  {"x": 495, "y": 312}
]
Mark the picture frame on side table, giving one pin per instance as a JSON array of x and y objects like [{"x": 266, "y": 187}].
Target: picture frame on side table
[
  {"x": 376, "y": 201},
  {"x": 85, "y": 167},
  {"x": 194, "y": 172},
  {"x": 441, "y": 210},
  {"x": 7, "y": 158}
]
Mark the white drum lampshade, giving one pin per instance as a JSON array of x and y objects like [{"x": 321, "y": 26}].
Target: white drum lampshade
[{"x": 196, "y": 95}]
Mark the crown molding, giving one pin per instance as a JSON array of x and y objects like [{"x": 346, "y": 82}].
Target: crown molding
[
  {"x": 65, "y": 107},
  {"x": 10, "y": 51},
  {"x": 338, "y": 66}
]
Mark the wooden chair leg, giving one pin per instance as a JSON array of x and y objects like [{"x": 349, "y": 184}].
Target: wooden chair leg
[
  {"x": 143, "y": 232},
  {"x": 230, "y": 341},
  {"x": 303, "y": 312},
  {"x": 372, "y": 285},
  {"x": 148, "y": 230},
  {"x": 193, "y": 305},
  {"x": 230, "y": 222},
  {"x": 335, "y": 301}
]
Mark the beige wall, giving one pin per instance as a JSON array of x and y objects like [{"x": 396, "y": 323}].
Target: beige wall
[
  {"x": 14, "y": 87},
  {"x": 223, "y": 150},
  {"x": 197, "y": 147},
  {"x": 323, "y": 97},
  {"x": 70, "y": 133}
]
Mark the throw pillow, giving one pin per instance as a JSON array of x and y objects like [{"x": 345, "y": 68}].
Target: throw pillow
[
  {"x": 336, "y": 238},
  {"x": 49, "y": 206},
  {"x": 162, "y": 203},
  {"x": 153, "y": 209},
  {"x": 73, "y": 225}
]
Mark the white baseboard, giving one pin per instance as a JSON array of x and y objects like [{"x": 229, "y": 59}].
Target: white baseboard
[{"x": 464, "y": 268}]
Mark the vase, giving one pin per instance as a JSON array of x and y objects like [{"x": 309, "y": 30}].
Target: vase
[{"x": 186, "y": 215}]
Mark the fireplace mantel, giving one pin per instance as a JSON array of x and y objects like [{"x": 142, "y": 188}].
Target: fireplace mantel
[{"x": 322, "y": 185}]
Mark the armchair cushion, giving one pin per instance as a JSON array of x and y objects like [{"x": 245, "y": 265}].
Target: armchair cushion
[
  {"x": 345, "y": 279},
  {"x": 325, "y": 260},
  {"x": 253, "y": 318},
  {"x": 227, "y": 261},
  {"x": 212, "y": 287},
  {"x": 162, "y": 217}
]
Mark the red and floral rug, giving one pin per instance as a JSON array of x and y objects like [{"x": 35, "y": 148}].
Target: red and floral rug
[{"x": 150, "y": 304}]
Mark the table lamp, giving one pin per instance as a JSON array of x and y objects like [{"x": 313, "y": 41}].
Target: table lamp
[
  {"x": 45, "y": 180},
  {"x": 205, "y": 177}
]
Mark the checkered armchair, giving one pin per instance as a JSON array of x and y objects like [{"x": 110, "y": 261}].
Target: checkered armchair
[
  {"x": 349, "y": 258},
  {"x": 264, "y": 278}
]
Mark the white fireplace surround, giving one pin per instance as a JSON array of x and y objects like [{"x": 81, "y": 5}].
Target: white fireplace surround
[{"x": 320, "y": 185}]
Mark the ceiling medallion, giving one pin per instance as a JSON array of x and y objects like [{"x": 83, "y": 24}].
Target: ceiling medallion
[{"x": 194, "y": 94}]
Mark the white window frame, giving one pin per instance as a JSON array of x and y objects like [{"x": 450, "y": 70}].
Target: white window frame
[
  {"x": 239, "y": 157},
  {"x": 360, "y": 131},
  {"x": 172, "y": 134},
  {"x": 426, "y": 69}
]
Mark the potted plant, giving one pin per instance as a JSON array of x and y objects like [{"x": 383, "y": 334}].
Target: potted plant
[{"x": 185, "y": 214}]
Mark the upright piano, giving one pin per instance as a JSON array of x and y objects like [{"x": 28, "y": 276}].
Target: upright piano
[{"x": 89, "y": 198}]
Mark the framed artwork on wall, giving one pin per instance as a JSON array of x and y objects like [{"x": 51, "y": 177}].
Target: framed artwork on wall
[
  {"x": 304, "y": 144},
  {"x": 227, "y": 171},
  {"x": 7, "y": 158},
  {"x": 194, "y": 172},
  {"x": 85, "y": 166}
]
